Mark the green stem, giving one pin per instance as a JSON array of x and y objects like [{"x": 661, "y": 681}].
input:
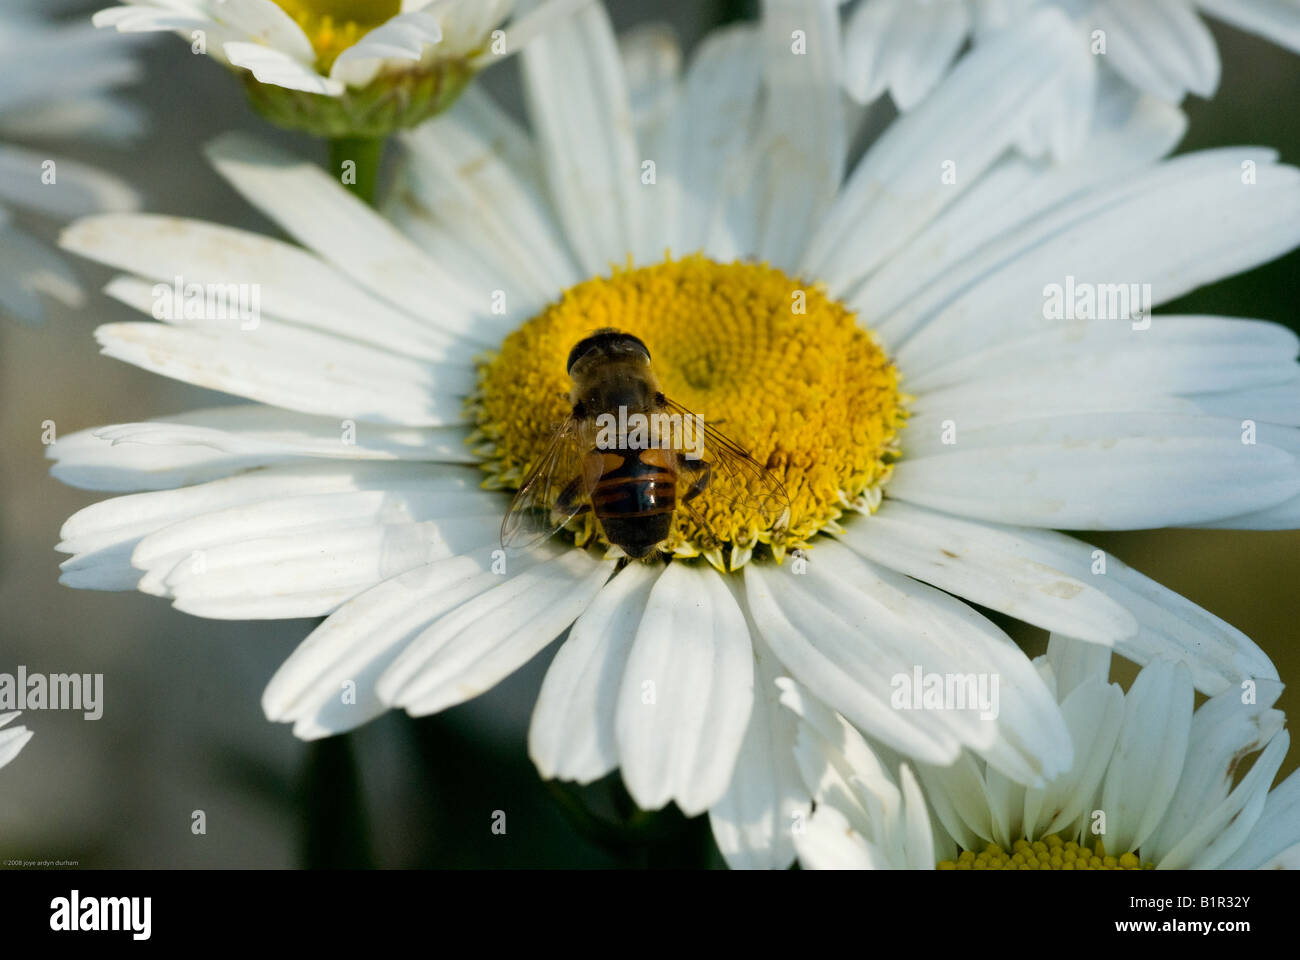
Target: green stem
[{"x": 355, "y": 161}]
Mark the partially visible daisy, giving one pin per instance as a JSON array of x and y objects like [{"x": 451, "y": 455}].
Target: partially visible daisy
[
  {"x": 1161, "y": 47},
  {"x": 793, "y": 309},
  {"x": 344, "y": 67},
  {"x": 56, "y": 78},
  {"x": 1153, "y": 784},
  {"x": 12, "y": 739}
]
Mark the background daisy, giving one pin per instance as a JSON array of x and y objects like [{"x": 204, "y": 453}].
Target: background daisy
[
  {"x": 376, "y": 65},
  {"x": 1162, "y": 48},
  {"x": 58, "y": 75},
  {"x": 1153, "y": 780}
]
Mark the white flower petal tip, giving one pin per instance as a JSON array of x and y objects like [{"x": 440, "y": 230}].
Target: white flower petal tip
[
  {"x": 280, "y": 69},
  {"x": 572, "y": 736},
  {"x": 405, "y": 37},
  {"x": 686, "y": 694},
  {"x": 12, "y": 739}
]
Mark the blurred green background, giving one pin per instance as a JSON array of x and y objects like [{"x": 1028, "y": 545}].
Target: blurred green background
[{"x": 183, "y": 728}]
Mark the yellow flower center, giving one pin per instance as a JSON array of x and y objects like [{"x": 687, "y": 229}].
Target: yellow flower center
[
  {"x": 772, "y": 363},
  {"x": 334, "y": 25},
  {"x": 1049, "y": 853}
]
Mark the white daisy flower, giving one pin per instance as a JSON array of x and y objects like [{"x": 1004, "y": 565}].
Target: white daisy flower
[
  {"x": 12, "y": 739},
  {"x": 347, "y": 487},
  {"x": 344, "y": 67},
  {"x": 1152, "y": 784},
  {"x": 1162, "y": 47},
  {"x": 56, "y": 76}
]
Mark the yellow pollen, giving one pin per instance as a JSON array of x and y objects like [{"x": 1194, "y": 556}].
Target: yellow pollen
[
  {"x": 334, "y": 25},
  {"x": 769, "y": 361},
  {"x": 1049, "y": 853}
]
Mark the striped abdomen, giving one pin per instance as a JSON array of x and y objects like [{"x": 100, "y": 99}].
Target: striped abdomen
[{"x": 635, "y": 497}]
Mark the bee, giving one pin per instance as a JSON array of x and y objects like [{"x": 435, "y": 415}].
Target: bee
[{"x": 633, "y": 457}]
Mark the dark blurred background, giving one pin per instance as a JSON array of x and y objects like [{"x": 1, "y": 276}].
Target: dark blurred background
[{"x": 183, "y": 729}]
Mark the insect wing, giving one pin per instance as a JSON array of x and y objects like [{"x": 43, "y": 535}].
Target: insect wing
[
  {"x": 537, "y": 512},
  {"x": 735, "y": 477}
]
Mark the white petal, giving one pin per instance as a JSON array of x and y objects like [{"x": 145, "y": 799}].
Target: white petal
[
  {"x": 687, "y": 693},
  {"x": 93, "y": 117},
  {"x": 1128, "y": 133},
  {"x": 1093, "y": 711},
  {"x": 12, "y": 740},
  {"x": 75, "y": 189},
  {"x": 291, "y": 284},
  {"x": 850, "y": 779},
  {"x": 755, "y": 820},
  {"x": 1172, "y": 627},
  {"x": 309, "y": 554},
  {"x": 1150, "y": 753},
  {"x": 329, "y": 682},
  {"x": 263, "y": 21},
  {"x": 578, "y": 102},
  {"x": 838, "y": 767},
  {"x": 959, "y": 798},
  {"x": 402, "y": 38},
  {"x": 969, "y": 121},
  {"x": 207, "y": 444},
  {"x": 28, "y": 269},
  {"x": 1281, "y": 516},
  {"x": 1276, "y": 836},
  {"x": 279, "y": 69},
  {"x": 468, "y": 650},
  {"x": 103, "y": 537},
  {"x": 475, "y": 199},
  {"x": 571, "y": 736},
  {"x": 1176, "y": 354},
  {"x": 652, "y": 65},
  {"x": 319, "y": 212},
  {"x": 901, "y": 46},
  {"x": 1225, "y": 730},
  {"x": 1226, "y": 828},
  {"x": 1187, "y": 222},
  {"x": 830, "y": 842},
  {"x": 112, "y": 521},
  {"x": 1100, "y": 472},
  {"x": 1279, "y": 403},
  {"x": 800, "y": 146},
  {"x": 990, "y": 566},
  {"x": 295, "y": 369},
  {"x": 1276, "y": 20},
  {"x": 47, "y": 64},
  {"x": 708, "y": 141},
  {"x": 1075, "y": 663},
  {"x": 848, "y": 630},
  {"x": 1159, "y": 45}
]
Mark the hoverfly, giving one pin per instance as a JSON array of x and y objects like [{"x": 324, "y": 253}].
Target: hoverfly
[{"x": 608, "y": 457}]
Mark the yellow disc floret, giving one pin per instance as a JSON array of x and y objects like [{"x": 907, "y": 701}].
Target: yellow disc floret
[
  {"x": 334, "y": 25},
  {"x": 771, "y": 362},
  {"x": 1049, "y": 853}
]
